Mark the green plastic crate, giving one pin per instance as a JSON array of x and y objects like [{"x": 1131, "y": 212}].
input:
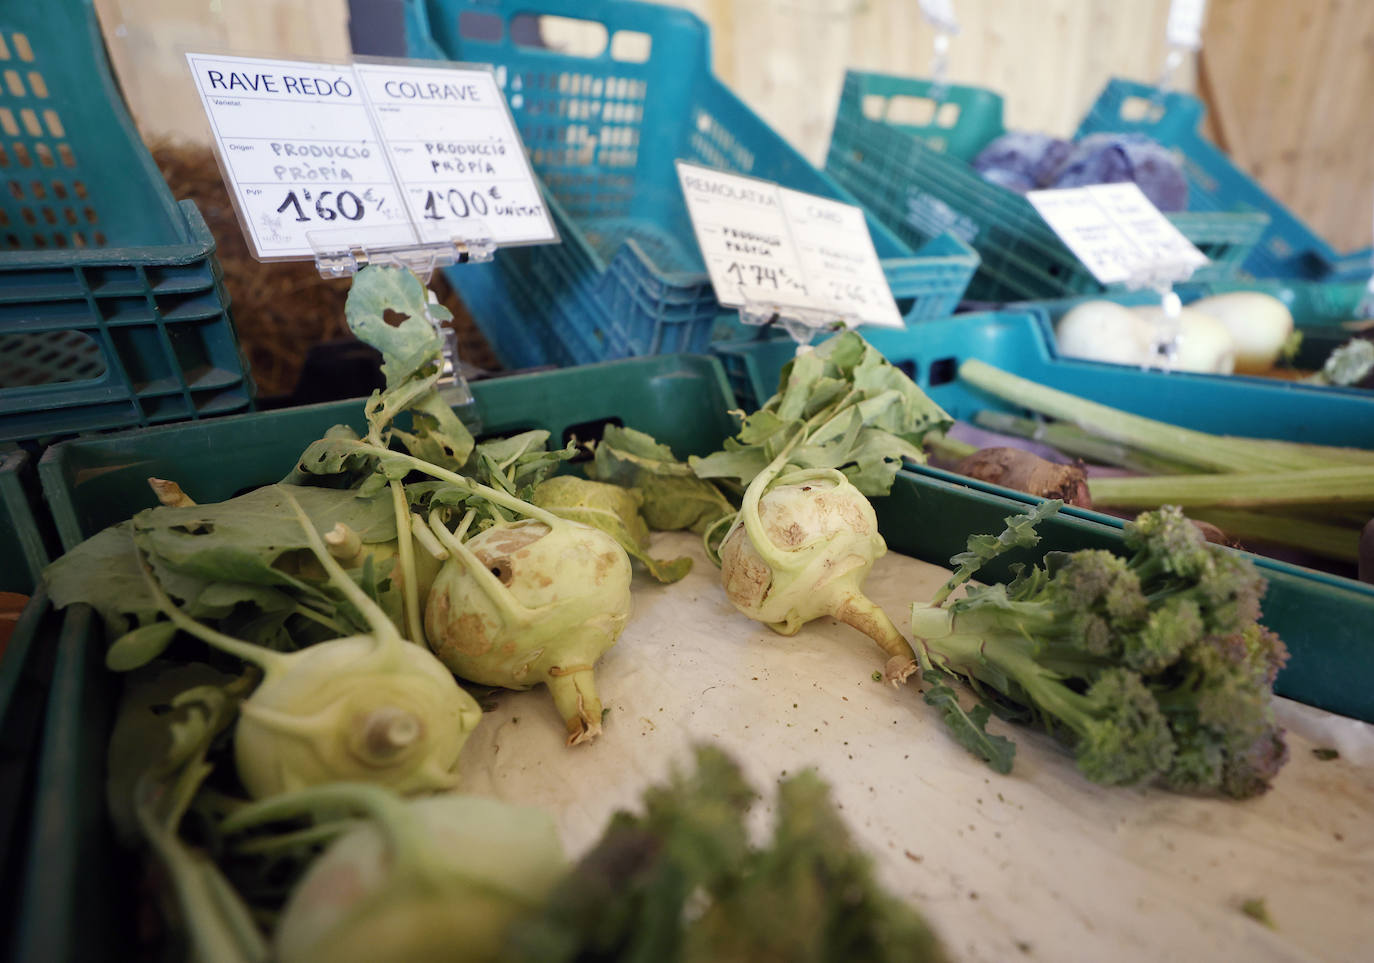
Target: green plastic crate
[
  {"x": 68, "y": 909},
  {"x": 112, "y": 310},
  {"x": 23, "y": 550},
  {"x": 916, "y": 178}
]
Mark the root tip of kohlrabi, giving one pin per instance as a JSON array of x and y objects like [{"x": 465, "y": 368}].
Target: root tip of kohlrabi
[{"x": 898, "y": 669}]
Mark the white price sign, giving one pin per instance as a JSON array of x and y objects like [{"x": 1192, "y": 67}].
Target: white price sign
[
  {"x": 1117, "y": 234},
  {"x": 321, "y": 157},
  {"x": 767, "y": 245},
  {"x": 1184, "y": 28}
]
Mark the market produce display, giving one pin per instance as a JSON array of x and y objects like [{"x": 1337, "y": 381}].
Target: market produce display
[
  {"x": 1027, "y": 161},
  {"x": 1315, "y": 498},
  {"x": 386, "y": 564}
]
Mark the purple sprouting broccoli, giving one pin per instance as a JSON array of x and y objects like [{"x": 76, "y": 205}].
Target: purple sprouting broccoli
[
  {"x": 1151, "y": 666},
  {"x": 1119, "y": 158},
  {"x": 1022, "y": 160}
]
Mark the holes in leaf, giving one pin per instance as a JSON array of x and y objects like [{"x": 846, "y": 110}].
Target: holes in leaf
[
  {"x": 394, "y": 318},
  {"x": 502, "y": 570}
]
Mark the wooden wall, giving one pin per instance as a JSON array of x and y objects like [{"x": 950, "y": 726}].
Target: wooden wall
[{"x": 1290, "y": 83}]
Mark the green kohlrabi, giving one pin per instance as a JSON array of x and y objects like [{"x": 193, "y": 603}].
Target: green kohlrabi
[
  {"x": 525, "y": 596},
  {"x": 430, "y": 880},
  {"x": 368, "y": 707},
  {"x": 806, "y": 536}
]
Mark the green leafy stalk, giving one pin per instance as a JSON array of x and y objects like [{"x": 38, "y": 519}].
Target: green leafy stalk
[
  {"x": 1345, "y": 485},
  {"x": 969, "y": 728},
  {"x": 1213, "y": 452}
]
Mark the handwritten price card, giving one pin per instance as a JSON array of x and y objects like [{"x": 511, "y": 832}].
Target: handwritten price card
[
  {"x": 332, "y": 156},
  {"x": 1117, "y": 234},
  {"x": 766, "y": 245}
]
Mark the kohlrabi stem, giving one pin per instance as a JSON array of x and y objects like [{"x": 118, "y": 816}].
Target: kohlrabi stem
[
  {"x": 426, "y": 538},
  {"x": 306, "y": 612},
  {"x": 493, "y": 495},
  {"x": 574, "y": 695},
  {"x": 320, "y": 833},
  {"x": 383, "y": 630},
  {"x": 749, "y": 507},
  {"x": 264, "y": 658},
  {"x": 511, "y": 609},
  {"x": 864, "y": 614},
  {"x": 405, "y": 554},
  {"x": 409, "y": 843}
]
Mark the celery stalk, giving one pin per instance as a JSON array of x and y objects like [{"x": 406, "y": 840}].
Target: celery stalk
[
  {"x": 1072, "y": 440},
  {"x": 1328, "y": 541},
  {"x": 1214, "y": 452},
  {"x": 1346, "y": 485}
]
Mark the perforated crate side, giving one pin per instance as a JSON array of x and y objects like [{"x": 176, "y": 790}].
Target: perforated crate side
[
  {"x": 602, "y": 134},
  {"x": 76, "y": 174},
  {"x": 919, "y": 190},
  {"x": 1288, "y": 247},
  {"x": 138, "y": 336}
]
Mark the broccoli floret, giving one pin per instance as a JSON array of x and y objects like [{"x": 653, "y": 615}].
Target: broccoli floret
[
  {"x": 1150, "y": 666},
  {"x": 1114, "y": 725}
]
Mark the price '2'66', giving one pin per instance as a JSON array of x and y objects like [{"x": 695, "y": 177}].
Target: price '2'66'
[{"x": 329, "y": 206}]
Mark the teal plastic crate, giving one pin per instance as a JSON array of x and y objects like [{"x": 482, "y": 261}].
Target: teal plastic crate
[
  {"x": 602, "y": 133},
  {"x": 915, "y": 176},
  {"x": 69, "y": 911},
  {"x": 1288, "y": 247},
  {"x": 1320, "y": 310},
  {"x": 112, "y": 310}
]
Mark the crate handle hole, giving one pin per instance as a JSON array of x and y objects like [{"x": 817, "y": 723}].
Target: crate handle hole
[
  {"x": 1138, "y": 109},
  {"x": 566, "y": 35},
  {"x": 631, "y": 46},
  {"x": 908, "y": 367},
  {"x": 874, "y": 106},
  {"x": 943, "y": 371},
  {"x": 479, "y": 26},
  {"x": 947, "y": 115},
  {"x": 911, "y": 111},
  {"x": 33, "y": 358}
]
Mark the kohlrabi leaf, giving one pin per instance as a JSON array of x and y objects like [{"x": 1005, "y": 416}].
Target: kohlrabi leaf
[
  {"x": 103, "y": 572},
  {"x": 242, "y": 539},
  {"x": 613, "y": 510},
  {"x": 969, "y": 728},
  {"x": 674, "y": 497},
  {"x": 391, "y": 310},
  {"x": 168, "y": 720},
  {"x": 840, "y": 406},
  {"x": 139, "y": 647}
]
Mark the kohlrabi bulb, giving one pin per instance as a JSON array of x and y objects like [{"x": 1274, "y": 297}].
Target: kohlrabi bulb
[
  {"x": 805, "y": 553},
  {"x": 429, "y": 880},
  {"x": 532, "y": 602},
  {"x": 343, "y": 710}
]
